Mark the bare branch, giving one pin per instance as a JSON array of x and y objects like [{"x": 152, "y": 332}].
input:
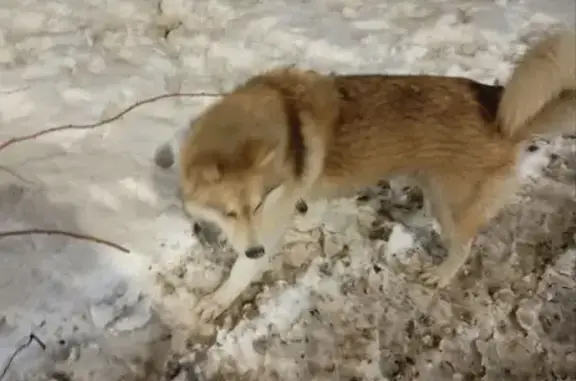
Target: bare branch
[
  {"x": 15, "y": 174},
  {"x": 111, "y": 119},
  {"x": 63, "y": 233},
  {"x": 32, "y": 338},
  {"x": 15, "y": 90}
]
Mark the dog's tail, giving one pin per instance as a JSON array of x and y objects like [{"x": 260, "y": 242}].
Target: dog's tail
[{"x": 540, "y": 93}]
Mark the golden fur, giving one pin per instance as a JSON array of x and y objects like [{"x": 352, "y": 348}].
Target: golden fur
[{"x": 291, "y": 134}]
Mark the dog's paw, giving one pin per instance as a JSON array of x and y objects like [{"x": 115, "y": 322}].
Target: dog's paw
[
  {"x": 209, "y": 308},
  {"x": 435, "y": 277},
  {"x": 429, "y": 278}
]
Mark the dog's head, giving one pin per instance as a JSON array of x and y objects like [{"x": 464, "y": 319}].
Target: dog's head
[
  {"x": 248, "y": 150},
  {"x": 232, "y": 194}
]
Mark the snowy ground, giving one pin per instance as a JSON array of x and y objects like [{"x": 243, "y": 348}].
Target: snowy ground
[{"x": 341, "y": 304}]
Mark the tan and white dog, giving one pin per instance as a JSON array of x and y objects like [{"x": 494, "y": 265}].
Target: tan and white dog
[{"x": 291, "y": 134}]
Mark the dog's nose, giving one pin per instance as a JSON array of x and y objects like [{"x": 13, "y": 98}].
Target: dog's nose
[{"x": 254, "y": 252}]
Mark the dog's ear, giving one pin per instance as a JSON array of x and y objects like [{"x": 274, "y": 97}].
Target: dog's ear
[
  {"x": 209, "y": 172},
  {"x": 197, "y": 175},
  {"x": 205, "y": 171},
  {"x": 260, "y": 153}
]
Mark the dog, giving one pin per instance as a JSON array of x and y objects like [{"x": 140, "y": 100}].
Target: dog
[{"x": 288, "y": 135}]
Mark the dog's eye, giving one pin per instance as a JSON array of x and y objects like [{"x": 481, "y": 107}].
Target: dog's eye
[{"x": 230, "y": 214}]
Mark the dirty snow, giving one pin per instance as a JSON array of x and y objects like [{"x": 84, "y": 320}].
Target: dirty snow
[{"x": 341, "y": 304}]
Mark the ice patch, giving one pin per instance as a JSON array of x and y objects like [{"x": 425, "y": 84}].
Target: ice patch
[
  {"x": 276, "y": 316},
  {"x": 400, "y": 240}
]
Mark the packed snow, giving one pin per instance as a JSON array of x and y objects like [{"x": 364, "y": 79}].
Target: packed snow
[{"x": 341, "y": 303}]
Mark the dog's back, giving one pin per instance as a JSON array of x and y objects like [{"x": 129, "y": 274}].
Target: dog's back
[
  {"x": 407, "y": 123},
  {"x": 391, "y": 124}
]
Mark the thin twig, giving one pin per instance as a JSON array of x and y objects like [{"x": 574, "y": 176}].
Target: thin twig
[
  {"x": 111, "y": 119},
  {"x": 31, "y": 338},
  {"x": 64, "y": 233},
  {"x": 15, "y": 90},
  {"x": 15, "y": 174}
]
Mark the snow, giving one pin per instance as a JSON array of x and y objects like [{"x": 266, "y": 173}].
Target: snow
[
  {"x": 104, "y": 314},
  {"x": 400, "y": 240}
]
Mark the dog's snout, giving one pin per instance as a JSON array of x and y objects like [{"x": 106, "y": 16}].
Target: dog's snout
[{"x": 255, "y": 252}]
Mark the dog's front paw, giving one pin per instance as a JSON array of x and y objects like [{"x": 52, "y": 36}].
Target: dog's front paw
[
  {"x": 429, "y": 278},
  {"x": 435, "y": 277},
  {"x": 209, "y": 308}
]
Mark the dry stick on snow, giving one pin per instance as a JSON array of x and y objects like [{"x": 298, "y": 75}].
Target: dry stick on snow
[
  {"x": 9, "y": 142},
  {"x": 31, "y": 338},
  {"x": 15, "y": 174},
  {"x": 86, "y": 127},
  {"x": 63, "y": 233},
  {"x": 111, "y": 119}
]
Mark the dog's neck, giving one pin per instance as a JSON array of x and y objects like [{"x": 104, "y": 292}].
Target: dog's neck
[{"x": 310, "y": 107}]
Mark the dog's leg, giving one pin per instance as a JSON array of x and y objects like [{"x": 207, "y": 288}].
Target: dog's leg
[
  {"x": 438, "y": 207},
  {"x": 276, "y": 217},
  {"x": 469, "y": 208},
  {"x": 435, "y": 206},
  {"x": 458, "y": 253},
  {"x": 243, "y": 273}
]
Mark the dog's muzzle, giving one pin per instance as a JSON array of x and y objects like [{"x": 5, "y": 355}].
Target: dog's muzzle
[{"x": 255, "y": 252}]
